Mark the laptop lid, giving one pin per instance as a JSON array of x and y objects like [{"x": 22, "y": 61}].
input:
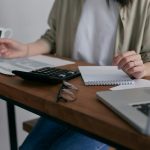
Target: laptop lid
[{"x": 132, "y": 105}]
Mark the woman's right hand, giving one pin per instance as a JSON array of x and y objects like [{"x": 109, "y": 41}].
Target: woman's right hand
[{"x": 12, "y": 49}]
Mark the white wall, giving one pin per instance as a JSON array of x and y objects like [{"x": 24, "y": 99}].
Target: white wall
[{"x": 28, "y": 19}]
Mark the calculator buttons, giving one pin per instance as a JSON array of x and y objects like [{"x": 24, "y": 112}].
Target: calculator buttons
[{"x": 48, "y": 74}]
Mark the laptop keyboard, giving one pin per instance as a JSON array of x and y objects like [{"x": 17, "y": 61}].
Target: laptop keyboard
[{"x": 144, "y": 108}]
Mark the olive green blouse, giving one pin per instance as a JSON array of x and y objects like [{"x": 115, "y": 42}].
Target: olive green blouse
[{"x": 133, "y": 30}]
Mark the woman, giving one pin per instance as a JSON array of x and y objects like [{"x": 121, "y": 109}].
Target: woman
[{"x": 103, "y": 32}]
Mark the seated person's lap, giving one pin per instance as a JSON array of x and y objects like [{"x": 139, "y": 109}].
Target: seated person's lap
[{"x": 51, "y": 135}]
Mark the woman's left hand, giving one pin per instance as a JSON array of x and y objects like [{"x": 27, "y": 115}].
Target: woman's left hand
[{"x": 131, "y": 63}]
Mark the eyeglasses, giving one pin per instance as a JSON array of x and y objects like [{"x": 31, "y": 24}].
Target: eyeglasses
[{"x": 67, "y": 92}]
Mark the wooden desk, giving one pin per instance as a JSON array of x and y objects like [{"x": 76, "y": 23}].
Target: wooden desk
[{"x": 87, "y": 113}]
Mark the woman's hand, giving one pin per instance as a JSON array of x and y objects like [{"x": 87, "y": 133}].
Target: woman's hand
[
  {"x": 12, "y": 49},
  {"x": 131, "y": 63}
]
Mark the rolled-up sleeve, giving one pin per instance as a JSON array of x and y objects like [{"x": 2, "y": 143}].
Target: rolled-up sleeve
[
  {"x": 145, "y": 50},
  {"x": 50, "y": 34}
]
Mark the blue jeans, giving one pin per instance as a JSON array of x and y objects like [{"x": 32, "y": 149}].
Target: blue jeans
[{"x": 50, "y": 135}]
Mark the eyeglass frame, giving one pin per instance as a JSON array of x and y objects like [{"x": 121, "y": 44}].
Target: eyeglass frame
[{"x": 69, "y": 89}]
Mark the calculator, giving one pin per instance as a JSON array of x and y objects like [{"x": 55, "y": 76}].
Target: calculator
[{"x": 52, "y": 75}]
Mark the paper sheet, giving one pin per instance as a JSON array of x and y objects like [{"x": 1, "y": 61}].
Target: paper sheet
[
  {"x": 139, "y": 83},
  {"x": 30, "y": 63}
]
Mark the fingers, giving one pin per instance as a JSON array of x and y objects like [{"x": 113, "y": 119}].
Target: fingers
[
  {"x": 136, "y": 72},
  {"x": 11, "y": 54},
  {"x": 7, "y": 48},
  {"x": 3, "y": 44},
  {"x": 131, "y": 63},
  {"x": 121, "y": 59},
  {"x": 5, "y": 40},
  {"x": 3, "y": 49}
]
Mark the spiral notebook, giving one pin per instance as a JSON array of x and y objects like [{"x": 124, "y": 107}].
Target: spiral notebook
[{"x": 104, "y": 75}]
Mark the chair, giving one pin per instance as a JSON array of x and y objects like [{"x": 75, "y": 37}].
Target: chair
[{"x": 29, "y": 124}]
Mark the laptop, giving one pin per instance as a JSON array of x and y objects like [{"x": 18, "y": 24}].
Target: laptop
[{"x": 132, "y": 105}]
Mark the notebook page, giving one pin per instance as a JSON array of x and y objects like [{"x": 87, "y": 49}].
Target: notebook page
[{"x": 104, "y": 75}]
